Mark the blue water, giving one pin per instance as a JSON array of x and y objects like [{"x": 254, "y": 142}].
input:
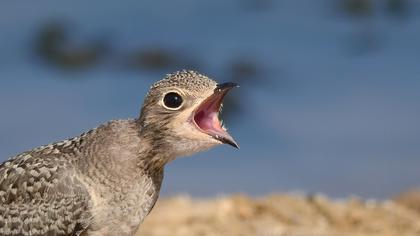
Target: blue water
[{"x": 328, "y": 114}]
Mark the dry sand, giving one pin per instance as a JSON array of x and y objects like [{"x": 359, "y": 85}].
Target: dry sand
[{"x": 283, "y": 215}]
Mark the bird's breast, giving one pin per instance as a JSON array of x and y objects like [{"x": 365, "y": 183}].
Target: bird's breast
[{"x": 120, "y": 211}]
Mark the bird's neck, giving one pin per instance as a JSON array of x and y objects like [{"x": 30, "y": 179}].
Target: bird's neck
[
  {"x": 157, "y": 149},
  {"x": 123, "y": 152},
  {"x": 120, "y": 172}
]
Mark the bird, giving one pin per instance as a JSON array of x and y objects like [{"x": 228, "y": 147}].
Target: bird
[{"x": 107, "y": 180}]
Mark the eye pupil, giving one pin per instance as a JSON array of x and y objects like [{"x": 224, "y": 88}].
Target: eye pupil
[{"x": 172, "y": 100}]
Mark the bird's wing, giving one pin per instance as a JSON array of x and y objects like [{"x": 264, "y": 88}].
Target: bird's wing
[{"x": 40, "y": 194}]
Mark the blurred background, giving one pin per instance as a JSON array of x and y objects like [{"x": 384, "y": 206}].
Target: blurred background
[{"x": 329, "y": 96}]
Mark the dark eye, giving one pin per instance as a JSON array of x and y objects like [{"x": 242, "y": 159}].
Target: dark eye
[{"x": 172, "y": 100}]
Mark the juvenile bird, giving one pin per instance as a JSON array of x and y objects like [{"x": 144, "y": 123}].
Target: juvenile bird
[{"x": 106, "y": 181}]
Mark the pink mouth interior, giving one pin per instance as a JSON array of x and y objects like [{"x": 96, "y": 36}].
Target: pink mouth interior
[{"x": 207, "y": 115}]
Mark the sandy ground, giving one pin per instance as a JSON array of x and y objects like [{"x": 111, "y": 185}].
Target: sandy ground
[{"x": 283, "y": 215}]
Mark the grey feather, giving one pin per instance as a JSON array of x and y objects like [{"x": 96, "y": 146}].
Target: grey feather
[
  {"x": 40, "y": 194},
  {"x": 105, "y": 181}
]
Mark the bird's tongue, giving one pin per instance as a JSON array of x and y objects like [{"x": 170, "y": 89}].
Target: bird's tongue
[{"x": 207, "y": 115}]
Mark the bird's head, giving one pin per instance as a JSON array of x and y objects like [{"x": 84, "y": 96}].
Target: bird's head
[{"x": 180, "y": 114}]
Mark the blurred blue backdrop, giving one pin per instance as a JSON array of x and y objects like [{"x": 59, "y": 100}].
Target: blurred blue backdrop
[{"x": 329, "y": 97}]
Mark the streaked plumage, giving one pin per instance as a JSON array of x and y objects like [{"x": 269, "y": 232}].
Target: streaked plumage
[{"x": 106, "y": 181}]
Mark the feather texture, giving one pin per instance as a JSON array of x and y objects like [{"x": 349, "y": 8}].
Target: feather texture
[{"x": 105, "y": 181}]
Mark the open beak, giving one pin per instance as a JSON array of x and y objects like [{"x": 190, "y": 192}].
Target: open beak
[{"x": 206, "y": 116}]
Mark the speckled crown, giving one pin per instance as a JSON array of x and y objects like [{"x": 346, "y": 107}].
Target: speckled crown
[{"x": 187, "y": 79}]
